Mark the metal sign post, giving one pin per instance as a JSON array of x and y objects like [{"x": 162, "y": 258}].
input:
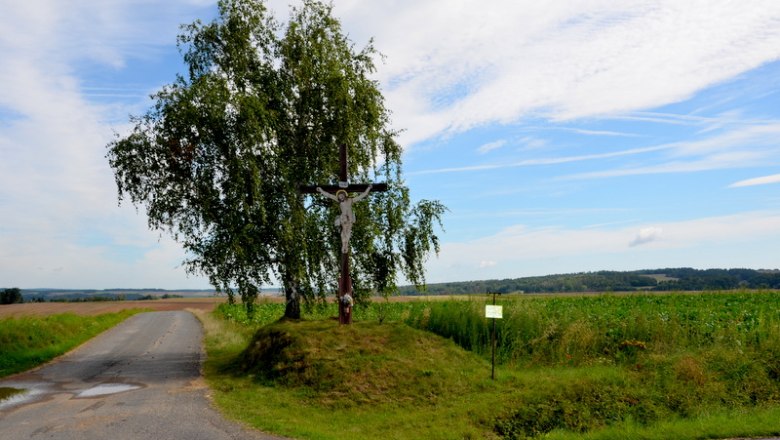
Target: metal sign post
[{"x": 493, "y": 312}]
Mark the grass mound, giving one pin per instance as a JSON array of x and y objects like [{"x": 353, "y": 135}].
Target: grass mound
[{"x": 364, "y": 363}]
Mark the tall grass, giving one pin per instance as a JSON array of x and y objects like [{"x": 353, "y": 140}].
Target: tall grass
[
  {"x": 375, "y": 311},
  {"x": 594, "y": 329},
  {"x": 679, "y": 356},
  {"x": 30, "y": 341}
]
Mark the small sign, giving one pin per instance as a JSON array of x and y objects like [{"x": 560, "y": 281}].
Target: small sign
[{"x": 494, "y": 312}]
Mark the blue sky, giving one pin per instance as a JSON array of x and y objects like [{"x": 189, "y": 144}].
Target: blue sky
[{"x": 564, "y": 136}]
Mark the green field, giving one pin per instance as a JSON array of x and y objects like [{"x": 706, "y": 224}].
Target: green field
[
  {"x": 608, "y": 366},
  {"x": 29, "y": 341}
]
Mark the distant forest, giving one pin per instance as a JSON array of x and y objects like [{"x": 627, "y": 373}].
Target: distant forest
[
  {"x": 679, "y": 279},
  {"x": 89, "y": 295}
]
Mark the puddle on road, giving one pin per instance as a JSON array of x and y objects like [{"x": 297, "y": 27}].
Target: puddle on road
[
  {"x": 16, "y": 393},
  {"x": 107, "y": 388}
]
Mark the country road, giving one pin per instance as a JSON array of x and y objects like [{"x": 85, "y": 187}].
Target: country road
[{"x": 139, "y": 380}]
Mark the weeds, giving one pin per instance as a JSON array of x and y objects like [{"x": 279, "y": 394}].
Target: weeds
[{"x": 591, "y": 330}]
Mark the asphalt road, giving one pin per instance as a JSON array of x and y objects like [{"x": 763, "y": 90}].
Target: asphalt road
[{"x": 139, "y": 380}]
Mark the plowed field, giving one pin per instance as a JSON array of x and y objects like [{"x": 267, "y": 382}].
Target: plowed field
[{"x": 98, "y": 307}]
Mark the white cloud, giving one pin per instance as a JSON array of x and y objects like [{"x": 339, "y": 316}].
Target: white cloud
[
  {"x": 542, "y": 161},
  {"x": 61, "y": 225},
  {"x": 745, "y": 146},
  {"x": 559, "y": 58},
  {"x": 452, "y": 65},
  {"x": 531, "y": 143},
  {"x": 764, "y": 180},
  {"x": 490, "y": 146},
  {"x": 486, "y": 263},
  {"x": 646, "y": 235},
  {"x": 601, "y": 133},
  {"x": 55, "y": 258},
  {"x": 704, "y": 242}
]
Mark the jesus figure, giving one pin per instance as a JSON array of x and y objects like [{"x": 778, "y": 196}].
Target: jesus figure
[{"x": 347, "y": 217}]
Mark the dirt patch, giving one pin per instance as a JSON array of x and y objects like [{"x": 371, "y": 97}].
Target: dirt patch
[
  {"x": 100, "y": 307},
  {"x": 206, "y": 304}
]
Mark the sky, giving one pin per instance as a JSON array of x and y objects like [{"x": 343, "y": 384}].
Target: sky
[{"x": 563, "y": 136}]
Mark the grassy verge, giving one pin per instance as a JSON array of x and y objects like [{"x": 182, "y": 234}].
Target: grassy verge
[
  {"x": 723, "y": 424},
  {"x": 642, "y": 367},
  {"x": 27, "y": 342}
]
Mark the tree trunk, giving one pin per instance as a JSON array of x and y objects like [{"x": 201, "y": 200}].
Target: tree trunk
[
  {"x": 292, "y": 310},
  {"x": 292, "y": 264}
]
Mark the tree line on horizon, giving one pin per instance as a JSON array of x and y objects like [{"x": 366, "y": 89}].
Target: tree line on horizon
[
  {"x": 11, "y": 295},
  {"x": 669, "y": 279},
  {"x": 16, "y": 295}
]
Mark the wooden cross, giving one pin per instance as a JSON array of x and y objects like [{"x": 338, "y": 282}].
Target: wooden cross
[{"x": 345, "y": 293}]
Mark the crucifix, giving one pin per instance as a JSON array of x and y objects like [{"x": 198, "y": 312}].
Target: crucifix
[{"x": 340, "y": 194}]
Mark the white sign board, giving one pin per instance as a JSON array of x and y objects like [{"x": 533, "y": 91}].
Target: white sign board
[{"x": 494, "y": 312}]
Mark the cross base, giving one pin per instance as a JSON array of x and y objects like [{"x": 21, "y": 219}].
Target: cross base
[{"x": 345, "y": 288}]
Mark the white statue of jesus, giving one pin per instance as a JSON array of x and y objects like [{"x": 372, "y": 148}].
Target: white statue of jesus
[{"x": 347, "y": 217}]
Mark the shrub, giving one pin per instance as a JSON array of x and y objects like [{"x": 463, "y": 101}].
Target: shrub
[{"x": 11, "y": 296}]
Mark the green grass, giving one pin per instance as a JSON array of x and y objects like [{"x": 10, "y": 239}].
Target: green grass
[
  {"x": 27, "y": 342},
  {"x": 316, "y": 379},
  {"x": 592, "y": 329},
  {"x": 757, "y": 422},
  {"x": 267, "y": 312},
  {"x": 598, "y": 367}
]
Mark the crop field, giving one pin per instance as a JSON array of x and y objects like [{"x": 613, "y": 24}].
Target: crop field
[{"x": 703, "y": 365}]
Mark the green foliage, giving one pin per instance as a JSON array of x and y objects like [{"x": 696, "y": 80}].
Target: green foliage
[
  {"x": 609, "y": 366},
  {"x": 593, "y": 401},
  {"x": 29, "y": 341},
  {"x": 11, "y": 296},
  {"x": 594, "y": 329},
  {"x": 219, "y": 159},
  {"x": 679, "y": 279},
  {"x": 376, "y": 311}
]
